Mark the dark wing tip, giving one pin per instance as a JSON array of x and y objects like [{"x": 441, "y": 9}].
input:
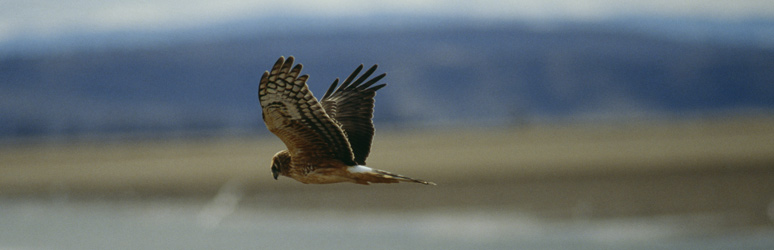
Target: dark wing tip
[
  {"x": 366, "y": 75},
  {"x": 368, "y": 84},
  {"x": 352, "y": 76},
  {"x": 377, "y": 87},
  {"x": 331, "y": 88}
]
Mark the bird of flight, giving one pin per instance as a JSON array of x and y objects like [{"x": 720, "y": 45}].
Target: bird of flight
[{"x": 327, "y": 141}]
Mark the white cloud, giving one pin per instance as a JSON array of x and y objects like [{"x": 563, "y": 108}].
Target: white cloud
[{"x": 46, "y": 18}]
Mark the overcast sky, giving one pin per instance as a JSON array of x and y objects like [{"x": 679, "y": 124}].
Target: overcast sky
[{"x": 42, "y": 18}]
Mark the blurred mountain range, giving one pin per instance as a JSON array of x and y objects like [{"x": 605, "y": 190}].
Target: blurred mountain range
[{"x": 439, "y": 74}]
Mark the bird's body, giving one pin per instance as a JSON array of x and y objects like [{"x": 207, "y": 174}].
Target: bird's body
[{"x": 328, "y": 141}]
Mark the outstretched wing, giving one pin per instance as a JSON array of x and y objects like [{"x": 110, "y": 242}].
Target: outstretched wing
[
  {"x": 352, "y": 106},
  {"x": 291, "y": 112}
]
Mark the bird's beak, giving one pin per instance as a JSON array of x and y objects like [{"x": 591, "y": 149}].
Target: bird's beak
[{"x": 276, "y": 174}]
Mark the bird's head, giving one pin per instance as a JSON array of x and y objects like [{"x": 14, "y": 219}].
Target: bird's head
[{"x": 280, "y": 163}]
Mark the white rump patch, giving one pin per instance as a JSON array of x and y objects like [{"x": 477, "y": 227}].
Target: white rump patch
[{"x": 359, "y": 169}]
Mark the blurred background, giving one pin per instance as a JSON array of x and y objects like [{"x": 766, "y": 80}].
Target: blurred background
[{"x": 546, "y": 124}]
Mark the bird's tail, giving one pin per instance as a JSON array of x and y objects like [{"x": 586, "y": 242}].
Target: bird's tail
[
  {"x": 365, "y": 175},
  {"x": 388, "y": 175}
]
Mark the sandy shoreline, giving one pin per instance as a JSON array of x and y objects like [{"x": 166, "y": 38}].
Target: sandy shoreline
[
  {"x": 556, "y": 171},
  {"x": 443, "y": 156}
]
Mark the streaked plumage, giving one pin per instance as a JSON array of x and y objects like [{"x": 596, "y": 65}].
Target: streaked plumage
[{"x": 328, "y": 141}]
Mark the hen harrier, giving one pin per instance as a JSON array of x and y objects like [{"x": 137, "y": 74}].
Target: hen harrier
[{"x": 327, "y": 141}]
